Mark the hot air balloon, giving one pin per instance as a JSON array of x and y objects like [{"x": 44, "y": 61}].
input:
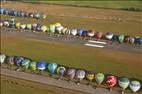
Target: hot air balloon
[
  {"x": 33, "y": 66},
  {"x": 135, "y": 85},
  {"x": 51, "y": 68},
  {"x": 29, "y": 26},
  {"x": 64, "y": 31},
  {"x": 99, "y": 77},
  {"x": 41, "y": 66},
  {"x": 84, "y": 33},
  {"x": 2, "y": 58},
  {"x": 31, "y": 15},
  {"x": 126, "y": 39},
  {"x": 132, "y": 40},
  {"x": 123, "y": 83},
  {"x": 12, "y": 23},
  {"x": 10, "y": 61},
  {"x": 25, "y": 64},
  {"x": 68, "y": 32},
  {"x": 90, "y": 76},
  {"x": 121, "y": 38},
  {"x": 71, "y": 73},
  {"x": 60, "y": 71},
  {"x": 115, "y": 37},
  {"x": 44, "y": 16},
  {"x": 91, "y": 33},
  {"x": 74, "y": 32},
  {"x": 52, "y": 28},
  {"x": 37, "y": 15},
  {"x": 1, "y": 24},
  {"x": 18, "y": 60},
  {"x": 23, "y": 26},
  {"x": 138, "y": 40},
  {"x": 2, "y": 10},
  {"x": 99, "y": 35},
  {"x": 79, "y": 32},
  {"x": 58, "y": 28},
  {"x": 6, "y": 23},
  {"x": 111, "y": 81},
  {"x": 44, "y": 28},
  {"x": 109, "y": 35},
  {"x": 80, "y": 74},
  {"x": 6, "y": 11}
]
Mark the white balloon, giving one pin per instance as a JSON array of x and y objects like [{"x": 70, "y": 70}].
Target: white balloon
[
  {"x": 135, "y": 86},
  {"x": 2, "y": 58}
]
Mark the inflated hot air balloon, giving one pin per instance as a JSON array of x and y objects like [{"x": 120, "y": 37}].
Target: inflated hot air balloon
[
  {"x": 80, "y": 74},
  {"x": 12, "y": 22},
  {"x": 31, "y": 15},
  {"x": 18, "y": 25},
  {"x": 91, "y": 33},
  {"x": 132, "y": 40},
  {"x": 41, "y": 65},
  {"x": 10, "y": 61},
  {"x": 52, "y": 28},
  {"x": 99, "y": 77},
  {"x": 29, "y": 26},
  {"x": 33, "y": 66},
  {"x": 60, "y": 71},
  {"x": 25, "y": 64},
  {"x": 79, "y": 32},
  {"x": 90, "y": 76},
  {"x": 18, "y": 60},
  {"x": 121, "y": 38},
  {"x": 115, "y": 37},
  {"x": 58, "y": 28},
  {"x": 123, "y": 83},
  {"x": 135, "y": 85},
  {"x": 6, "y": 23},
  {"x": 64, "y": 30},
  {"x": 44, "y": 16},
  {"x": 2, "y": 58},
  {"x": 71, "y": 73},
  {"x": 111, "y": 81},
  {"x": 127, "y": 39},
  {"x": 44, "y": 28},
  {"x": 84, "y": 33},
  {"x": 74, "y": 32},
  {"x": 51, "y": 68},
  {"x": 2, "y": 10},
  {"x": 99, "y": 35},
  {"x": 23, "y": 26},
  {"x": 6, "y": 11},
  {"x": 1, "y": 24},
  {"x": 109, "y": 35},
  {"x": 37, "y": 15},
  {"x": 68, "y": 32},
  {"x": 138, "y": 40}
]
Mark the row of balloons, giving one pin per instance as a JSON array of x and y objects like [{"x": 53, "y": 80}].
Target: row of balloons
[
  {"x": 57, "y": 28},
  {"x": 16, "y": 13},
  {"x": 71, "y": 73}
]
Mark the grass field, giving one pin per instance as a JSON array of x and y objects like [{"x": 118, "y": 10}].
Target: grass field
[
  {"x": 11, "y": 85},
  {"x": 96, "y": 4},
  {"x": 106, "y": 61}
]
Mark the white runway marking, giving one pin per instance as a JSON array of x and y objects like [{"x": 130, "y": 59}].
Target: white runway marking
[
  {"x": 93, "y": 45},
  {"x": 100, "y": 42}
]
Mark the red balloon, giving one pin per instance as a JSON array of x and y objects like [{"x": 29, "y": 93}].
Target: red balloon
[
  {"x": 99, "y": 35},
  {"x": 111, "y": 81}
]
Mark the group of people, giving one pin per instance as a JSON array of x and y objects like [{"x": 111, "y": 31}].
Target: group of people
[{"x": 69, "y": 72}]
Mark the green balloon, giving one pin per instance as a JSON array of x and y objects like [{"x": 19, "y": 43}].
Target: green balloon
[
  {"x": 123, "y": 82},
  {"x": 99, "y": 78},
  {"x": 52, "y": 28},
  {"x": 25, "y": 63},
  {"x": 121, "y": 38},
  {"x": 33, "y": 66}
]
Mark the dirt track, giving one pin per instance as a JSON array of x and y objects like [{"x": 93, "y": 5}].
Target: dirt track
[{"x": 54, "y": 82}]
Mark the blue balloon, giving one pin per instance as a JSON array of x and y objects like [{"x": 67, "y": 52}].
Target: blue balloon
[
  {"x": 41, "y": 65},
  {"x": 18, "y": 60},
  {"x": 138, "y": 41},
  {"x": 79, "y": 32},
  {"x": 2, "y": 10}
]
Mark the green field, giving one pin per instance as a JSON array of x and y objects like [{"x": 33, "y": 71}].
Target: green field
[{"x": 109, "y": 4}]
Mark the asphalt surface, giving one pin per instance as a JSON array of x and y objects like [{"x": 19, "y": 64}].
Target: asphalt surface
[
  {"x": 72, "y": 40},
  {"x": 50, "y": 81}
]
